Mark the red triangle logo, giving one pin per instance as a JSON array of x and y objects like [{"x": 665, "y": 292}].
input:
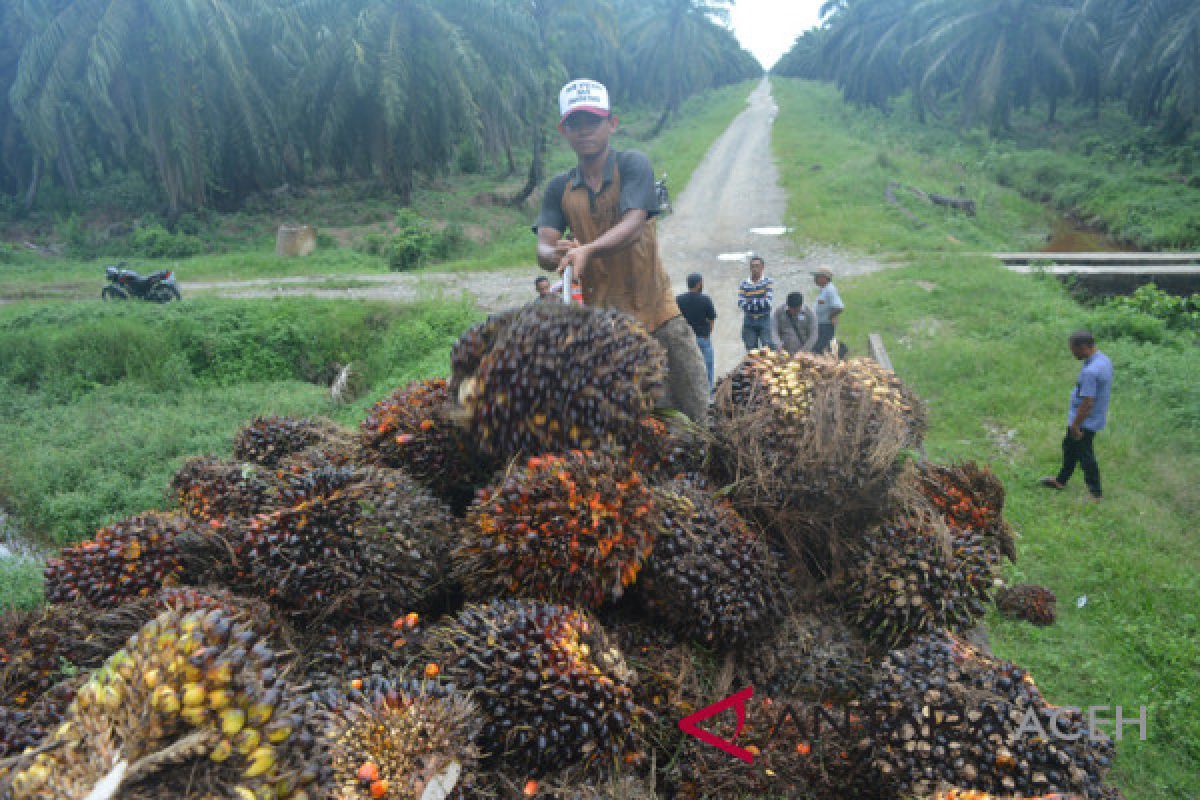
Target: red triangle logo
[{"x": 690, "y": 724}]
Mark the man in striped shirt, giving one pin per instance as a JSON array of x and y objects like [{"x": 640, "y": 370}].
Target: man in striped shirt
[{"x": 754, "y": 299}]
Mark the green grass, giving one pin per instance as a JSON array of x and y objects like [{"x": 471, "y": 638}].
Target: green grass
[
  {"x": 99, "y": 406},
  {"x": 986, "y": 348},
  {"x": 20, "y": 583},
  {"x": 496, "y": 236}
]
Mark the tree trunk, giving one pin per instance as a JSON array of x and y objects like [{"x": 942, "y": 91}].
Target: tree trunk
[
  {"x": 662, "y": 121},
  {"x": 536, "y": 169},
  {"x": 512, "y": 162},
  {"x": 1053, "y": 110},
  {"x": 31, "y": 195}
]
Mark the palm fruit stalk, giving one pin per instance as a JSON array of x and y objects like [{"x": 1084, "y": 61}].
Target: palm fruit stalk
[
  {"x": 949, "y": 715},
  {"x": 411, "y": 429},
  {"x": 549, "y": 378},
  {"x": 396, "y": 740},
  {"x": 350, "y": 543},
  {"x": 969, "y": 496},
  {"x": 268, "y": 441},
  {"x": 813, "y": 655},
  {"x": 552, "y": 691},
  {"x": 913, "y": 576},
  {"x": 211, "y": 489},
  {"x": 1028, "y": 601},
  {"x": 810, "y": 449},
  {"x": 666, "y": 451},
  {"x": 18, "y": 731},
  {"x": 710, "y": 576},
  {"x": 197, "y": 688},
  {"x": 128, "y": 559},
  {"x": 573, "y": 528}
]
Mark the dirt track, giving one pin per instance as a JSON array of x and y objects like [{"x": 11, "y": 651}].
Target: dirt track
[{"x": 734, "y": 189}]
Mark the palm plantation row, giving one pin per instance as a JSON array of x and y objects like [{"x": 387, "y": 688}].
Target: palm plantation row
[
  {"x": 987, "y": 57},
  {"x": 213, "y": 100}
]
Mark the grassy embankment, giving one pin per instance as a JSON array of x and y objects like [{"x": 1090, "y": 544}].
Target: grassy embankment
[
  {"x": 99, "y": 404},
  {"x": 987, "y": 349},
  {"x": 491, "y": 234}
]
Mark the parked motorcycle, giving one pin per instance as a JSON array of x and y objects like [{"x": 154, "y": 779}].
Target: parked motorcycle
[
  {"x": 157, "y": 287},
  {"x": 663, "y": 195}
]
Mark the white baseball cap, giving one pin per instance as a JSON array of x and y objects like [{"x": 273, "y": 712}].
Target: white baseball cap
[{"x": 583, "y": 95}]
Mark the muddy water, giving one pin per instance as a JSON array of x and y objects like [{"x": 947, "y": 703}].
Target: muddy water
[{"x": 1069, "y": 237}]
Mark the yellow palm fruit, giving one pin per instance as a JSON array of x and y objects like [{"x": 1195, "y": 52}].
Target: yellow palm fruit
[
  {"x": 261, "y": 760},
  {"x": 232, "y": 721}
]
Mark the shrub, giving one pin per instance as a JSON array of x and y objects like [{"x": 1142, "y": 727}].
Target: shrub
[
  {"x": 155, "y": 241},
  {"x": 1122, "y": 322},
  {"x": 414, "y": 242},
  {"x": 1179, "y": 313}
]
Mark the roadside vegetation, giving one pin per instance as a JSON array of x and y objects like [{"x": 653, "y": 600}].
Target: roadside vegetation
[
  {"x": 987, "y": 349},
  {"x": 1091, "y": 106}
]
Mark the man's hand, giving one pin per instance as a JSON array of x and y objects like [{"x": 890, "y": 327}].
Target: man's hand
[
  {"x": 564, "y": 246},
  {"x": 576, "y": 258},
  {"x": 1076, "y": 432}
]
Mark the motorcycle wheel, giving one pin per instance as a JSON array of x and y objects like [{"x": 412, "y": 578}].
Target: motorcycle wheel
[
  {"x": 163, "y": 294},
  {"x": 112, "y": 293}
]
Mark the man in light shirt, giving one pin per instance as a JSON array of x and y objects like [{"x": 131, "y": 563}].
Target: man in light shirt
[
  {"x": 829, "y": 308},
  {"x": 1086, "y": 416}
]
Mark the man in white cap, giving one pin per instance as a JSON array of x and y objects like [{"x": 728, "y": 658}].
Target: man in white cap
[
  {"x": 608, "y": 203},
  {"x": 829, "y": 308}
]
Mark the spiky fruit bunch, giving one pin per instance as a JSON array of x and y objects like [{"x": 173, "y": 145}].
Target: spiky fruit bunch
[
  {"x": 809, "y": 450},
  {"x": 574, "y": 528},
  {"x": 335, "y": 656},
  {"x": 950, "y": 715},
  {"x": 1028, "y": 601},
  {"x": 548, "y": 378},
  {"x": 974, "y": 794},
  {"x": 353, "y": 543},
  {"x": 395, "y": 740},
  {"x": 269, "y": 440},
  {"x": 665, "y": 452},
  {"x": 969, "y": 496},
  {"x": 128, "y": 559},
  {"x": 411, "y": 430},
  {"x": 913, "y": 577},
  {"x": 209, "y": 488},
  {"x": 553, "y": 692},
  {"x": 710, "y": 576},
  {"x": 197, "y": 687},
  {"x": 814, "y": 655}
]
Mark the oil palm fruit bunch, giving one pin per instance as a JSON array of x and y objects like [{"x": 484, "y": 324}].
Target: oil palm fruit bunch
[
  {"x": 411, "y": 430},
  {"x": 866, "y": 375},
  {"x": 666, "y": 452},
  {"x": 18, "y": 731},
  {"x": 42, "y": 647},
  {"x": 572, "y": 528},
  {"x": 1028, "y": 601},
  {"x": 710, "y": 576},
  {"x": 212, "y": 489},
  {"x": 267, "y": 441},
  {"x": 396, "y": 740},
  {"x": 131, "y": 558},
  {"x": 814, "y": 655},
  {"x": 355, "y": 543},
  {"x": 335, "y": 656},
  {"x": 196, "y": 688},
  {"x": 548, "y": 378},
  {"x": 949, "y": 715},
  {"x": 912, "y": 577},
  {"x": 969, "y": 496},
  {"x": 975, "y": 794},
  {"x": 552, "y": 690}
]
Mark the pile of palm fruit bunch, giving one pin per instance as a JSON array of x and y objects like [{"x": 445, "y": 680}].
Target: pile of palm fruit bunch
[
  {"x": 548, "y": 378},
  {"x": 353, "y": 542},
  {"x": 914, "y": 575},
  {"x": 946, "y": 714},
  {"x": 515, "y": 582},
  {"x": 410, "y": 429},
  {"x": 573, "y": 528},
  {"x": 969, "y": 496},
  {"x": 711, "y": 577},
  {"x": 1028, "y": 601},
  {"x": 810, "y": 448},
  {"x": 130, "y": 558}
]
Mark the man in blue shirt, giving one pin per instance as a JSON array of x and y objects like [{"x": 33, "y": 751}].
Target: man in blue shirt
[{"x": 1087, "y": 415}]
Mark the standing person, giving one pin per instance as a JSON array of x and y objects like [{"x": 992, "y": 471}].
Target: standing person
[
  {"x": 754, "y": 299},
  {"x": 701, "y": 314},
  {"x": 608, "y": 203},
  {"x": 829, "y": 308},
  {"x": 541, "y": 285},
  {"x": 795, "y": 325},
  {"x": 1087, "y": 415}
]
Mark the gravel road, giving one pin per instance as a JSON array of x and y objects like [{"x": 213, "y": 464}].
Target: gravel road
[{"x": 734, "y": 191}]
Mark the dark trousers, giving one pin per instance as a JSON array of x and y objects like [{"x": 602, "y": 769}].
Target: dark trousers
[
  {"x": 1079, "y": 451},
  {"x": 825, "y": 332},
  {"x": 756, "y": 333}
]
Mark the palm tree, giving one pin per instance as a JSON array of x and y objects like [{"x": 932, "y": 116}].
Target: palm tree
[
  {"x": 1157, "y": 57},
  {"x": 865, "y": 46}
]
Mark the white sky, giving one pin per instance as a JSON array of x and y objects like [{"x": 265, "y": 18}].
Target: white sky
[{"x": 767, "y": 28}]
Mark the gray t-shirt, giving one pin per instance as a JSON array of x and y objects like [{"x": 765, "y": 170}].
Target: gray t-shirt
[
  {"x": 637, "y": 188},
  {"x": 828, "y": 301}
]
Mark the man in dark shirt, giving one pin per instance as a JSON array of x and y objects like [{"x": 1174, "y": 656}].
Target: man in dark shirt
[
  {"x": 609, "y": 204},
  {"x": 701, "y": 314},
  {"x": 541, "y": 285}
]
